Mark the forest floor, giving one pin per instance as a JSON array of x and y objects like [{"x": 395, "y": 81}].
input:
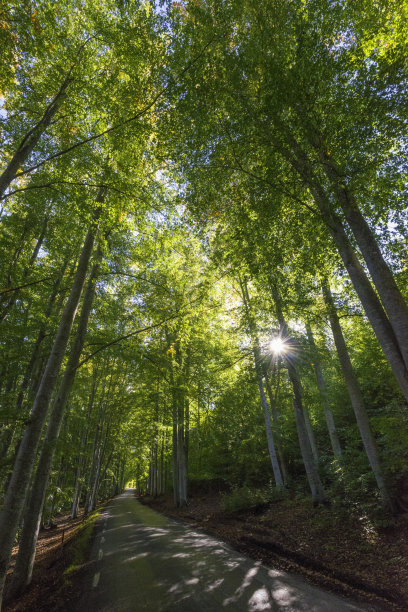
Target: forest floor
[
  {"x": 342, "y": 552},
  {"x": 59, "y": 549},
  {"x": 333, "y": 549}
]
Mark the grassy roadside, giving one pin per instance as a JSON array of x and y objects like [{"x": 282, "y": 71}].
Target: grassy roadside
[{"x": 78, "y": 546}]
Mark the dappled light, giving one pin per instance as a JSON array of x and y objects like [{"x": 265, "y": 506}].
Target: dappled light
[
  {"x": 203, "y": 300},
  {"x": 160, "y": 564}
]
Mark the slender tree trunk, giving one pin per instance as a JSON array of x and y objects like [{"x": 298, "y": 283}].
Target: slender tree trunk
[
  {"x": 181, "y": 450},
  {"x": 175, "y": 447},
  {"x": 6, "y": 440},
  {"x": 32, "y": 366},
  {"x": 310, "y": 434},
  {"x": 30, "y": 140},
  {"x": 269, "y": 435},
  {"x": 8, "y": 431},
  {"x": 84, "y": 439},
  {"x": 315, "y": 484},
  {"x": 100, "y": 471},
  {"x": 162, "y": 464},
  {"x": 356, "y": 397},
  {"x": 15, "y": 294},
  {"x": 95, "y": 450},
  {"x": 335, "y": 443},
  {"x": 384, "y": 281},
  {"x": 275, "y": 417},
  {"x": 258, "y": 368},
  {"x": 26, "y": 554},
  {"x": 17, "y": 490},
  {"x": 362, "y": 285},
  {"x": 178, "y": 446}
]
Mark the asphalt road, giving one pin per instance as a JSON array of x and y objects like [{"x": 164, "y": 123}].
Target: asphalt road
[{"x": 142, "y": 560}]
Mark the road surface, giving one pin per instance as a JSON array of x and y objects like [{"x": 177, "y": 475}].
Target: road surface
[{"x": 144, "y": 561}]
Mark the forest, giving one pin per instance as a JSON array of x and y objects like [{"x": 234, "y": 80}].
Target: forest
[{"x": 203, "y": 246}]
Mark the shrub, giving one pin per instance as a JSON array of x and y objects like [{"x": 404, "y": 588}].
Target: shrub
[{"x": 243, "y": 498}]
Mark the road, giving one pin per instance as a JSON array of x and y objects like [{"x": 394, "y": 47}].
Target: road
[{"x": 142, "y": 560}]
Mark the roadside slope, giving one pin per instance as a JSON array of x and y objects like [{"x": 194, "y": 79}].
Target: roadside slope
[{"x": 331, "y": 549}]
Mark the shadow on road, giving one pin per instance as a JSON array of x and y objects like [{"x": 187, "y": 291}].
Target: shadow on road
[{"x": 142, "y": 560}]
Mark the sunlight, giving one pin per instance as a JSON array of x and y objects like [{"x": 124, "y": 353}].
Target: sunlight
[{"x": 277, "y": 346}]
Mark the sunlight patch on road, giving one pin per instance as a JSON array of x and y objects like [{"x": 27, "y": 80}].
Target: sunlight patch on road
[
  {"x": 136, "y": 557},
  {"x": 96, "y": 579},
  {"x": 283, "y": 597},
  {"x": 260, "y": 600},
  {"x": 214, "y": 585},
  {"x": 249, "y": 576}
]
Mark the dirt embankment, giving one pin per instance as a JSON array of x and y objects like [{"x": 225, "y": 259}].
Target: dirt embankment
[
  {"x": 337, "y": 550},
  {"x": 60, "y": 552}
]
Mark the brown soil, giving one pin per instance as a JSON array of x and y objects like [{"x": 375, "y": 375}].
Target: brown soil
[
  {"x": 49, "y": 566},
  {"x": 331, "y": 548}
]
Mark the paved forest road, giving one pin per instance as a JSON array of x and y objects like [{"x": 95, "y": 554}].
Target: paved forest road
[{"x": 142, "y": 560}]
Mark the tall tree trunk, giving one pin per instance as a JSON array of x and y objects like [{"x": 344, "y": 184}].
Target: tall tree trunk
[
  {"x": 176, "y": 491},
  {"x": 362, "y": 285},
  {"x": 310, "y": 433},
  {"x": 32, "y": 366},
  {"x": 313, "y": 477},
  {"x": 384, "y": 281},
  {"x": 30, "y": 140},
  {"x": 32, "y": 519},
  {"x": 315, "y": 484},
  {"x": 17, "y": 489},
  {"x": 269, "y": 436},
  {"x": 356, "y": 397},
  {"x": 100, "y": 471},
  {"x": 15, "y": 294},
  {"x": 179, "y": 442},
  {"x": 181, "y": 449},
  {"x": 324, "y": 398},
  {"x": 258, "y": 368},
  {"x": 275, "y": 417},
  {"x": 96, "y": 448},
  {"x": 80, "y": 459}
]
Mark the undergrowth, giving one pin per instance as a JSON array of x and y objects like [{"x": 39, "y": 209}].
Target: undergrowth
[
  {"x": 244, "y": 498},
  {"x": 77, "y": 548}
]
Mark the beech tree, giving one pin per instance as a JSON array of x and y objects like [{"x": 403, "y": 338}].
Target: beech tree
[{"x": 201, "y": 169}]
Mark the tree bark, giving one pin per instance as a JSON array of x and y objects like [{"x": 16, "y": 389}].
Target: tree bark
[
  {"x": 313, "y": 477},
  {"x": 269, "y": 436},
  {"x": 258, "y": 369},
  {"x": 371, "y": 303},
  {"x": 335, "y": 443},
  {"x": 32, "y": 519},
  {"x": 30, "y": 140},
  {"x": 275, "y": 417},
  {"x": 17, "y": 489},
  {"x": 356, "y": 398},
  {"x": 384, "y": 281}
]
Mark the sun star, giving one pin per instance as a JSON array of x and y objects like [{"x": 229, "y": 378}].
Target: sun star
[{"x": 277, "y": 346}]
